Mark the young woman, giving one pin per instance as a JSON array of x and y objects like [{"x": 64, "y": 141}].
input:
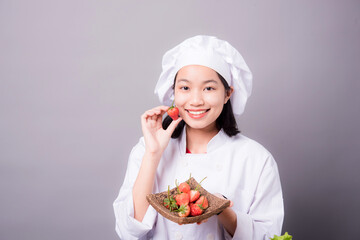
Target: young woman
[{"x": 209, "y": 82}]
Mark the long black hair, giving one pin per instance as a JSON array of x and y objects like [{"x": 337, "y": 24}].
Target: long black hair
[{"x": 226, "y": 119}]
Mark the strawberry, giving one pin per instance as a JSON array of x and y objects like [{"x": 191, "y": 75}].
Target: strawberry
[
  {"x": 167, "y": 202},
  {"x": 195, "y": 194},
  {"x": 184, "y": 211},
  {"x": 182, "y": 199},
  {"x": 203, "y": 202},
  {"x": 170, "y": 202},
  {"x": 184, "y": 187},
  {"x": 173, "y": 112},
  {"x": 196, "y": 209}
]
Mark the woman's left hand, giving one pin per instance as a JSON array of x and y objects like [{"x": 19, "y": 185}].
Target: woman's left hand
[
  {"x": 228, "y": 217},
  {"x": 222, "y": 197}
]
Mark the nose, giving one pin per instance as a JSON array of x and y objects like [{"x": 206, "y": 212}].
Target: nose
[{"x": 196, "y": 99}]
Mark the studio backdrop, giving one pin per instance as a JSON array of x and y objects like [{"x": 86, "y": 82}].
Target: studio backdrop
[{"x": 75, "y": 77}]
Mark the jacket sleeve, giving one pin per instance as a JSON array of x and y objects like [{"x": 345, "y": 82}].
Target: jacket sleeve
[
  {"x": 127, "y": 227},
  {"x": 266, "y": 213}
]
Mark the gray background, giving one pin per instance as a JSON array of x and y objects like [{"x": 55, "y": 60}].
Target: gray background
[{"x": 76, "y": 76}]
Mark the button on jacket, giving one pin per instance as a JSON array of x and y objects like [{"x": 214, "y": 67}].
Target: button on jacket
[{"x": 237, "y": 167}]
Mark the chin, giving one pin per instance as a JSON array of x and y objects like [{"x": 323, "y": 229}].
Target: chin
[{"x": 198, "y": 125}]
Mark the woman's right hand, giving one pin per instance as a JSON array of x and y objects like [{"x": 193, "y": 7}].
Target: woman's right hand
[{"x": 156, "y": 138}]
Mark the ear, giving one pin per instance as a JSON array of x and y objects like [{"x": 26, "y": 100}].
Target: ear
[{"x": 228, "y": 94}]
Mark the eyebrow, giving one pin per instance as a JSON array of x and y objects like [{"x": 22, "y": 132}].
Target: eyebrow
[
  {"x": 211, "y": 81},
  {"x": 206, "y": 81}
]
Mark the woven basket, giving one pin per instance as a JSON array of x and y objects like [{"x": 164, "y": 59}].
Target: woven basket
[{"x": 216, "y": 205}]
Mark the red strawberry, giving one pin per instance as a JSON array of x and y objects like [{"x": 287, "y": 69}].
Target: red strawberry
[
  {"x": 173, "y": 112},
  {"x": 195, "y": 194},
  {"x": 170, "y": 202},
  {"x": 167, "y": 202},
  {"x": 195, "y": 209},
  {"x": 184, "y": 211},
  {"x": 182, "y": 199},
  {"x": 202, "y": 201},
  {"x": 184, "y": 187}
]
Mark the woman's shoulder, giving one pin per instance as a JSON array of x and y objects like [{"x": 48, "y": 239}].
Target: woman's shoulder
[
  {"x": 251, "y": 151},
  {"x": 138, "y": 149},
  {"x": 140, "y": 143},
  {"x": 243, "y": 143}
]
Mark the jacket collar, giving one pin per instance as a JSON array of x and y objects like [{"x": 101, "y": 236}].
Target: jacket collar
[{"x": 217, "y": 141}]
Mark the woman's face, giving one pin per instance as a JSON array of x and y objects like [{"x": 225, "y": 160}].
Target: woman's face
[{"x": 200, "y": 96}]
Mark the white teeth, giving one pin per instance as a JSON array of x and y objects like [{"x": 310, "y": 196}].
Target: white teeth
[{"x": 197, "y": 112}]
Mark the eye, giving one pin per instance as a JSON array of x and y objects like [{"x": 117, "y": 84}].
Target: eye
[
  {"x": 184, "y": 88},
  {"x": 209, "y": 89}
]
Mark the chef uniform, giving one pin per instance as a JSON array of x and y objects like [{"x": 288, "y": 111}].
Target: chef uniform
[{"x": 237, "y": 167}]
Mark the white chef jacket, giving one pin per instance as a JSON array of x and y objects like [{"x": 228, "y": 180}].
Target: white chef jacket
[{"x": 237, "y": 167}]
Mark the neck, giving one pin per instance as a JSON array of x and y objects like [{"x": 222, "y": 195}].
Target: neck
[{"x": 198, "y": 139}]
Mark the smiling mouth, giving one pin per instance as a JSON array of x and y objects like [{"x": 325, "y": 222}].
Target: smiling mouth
[{"x": 197, "y": 114}]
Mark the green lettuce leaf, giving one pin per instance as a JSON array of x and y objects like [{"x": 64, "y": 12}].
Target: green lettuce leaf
[{"x": 286, "y": 236}]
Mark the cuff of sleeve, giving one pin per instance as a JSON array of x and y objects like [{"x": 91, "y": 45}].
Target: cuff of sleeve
[
  {"x": 129, "y": 226},
  {"x": 244, "y": 228}
]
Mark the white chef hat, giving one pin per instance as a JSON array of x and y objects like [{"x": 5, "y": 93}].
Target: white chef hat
[{"x": 210, "y": 52}]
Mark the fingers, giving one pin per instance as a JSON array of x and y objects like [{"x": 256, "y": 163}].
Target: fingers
[
  {"x": 160, "y": 110},
  {"x": 203, "y": 221},
  {"x": 154, "y": 114},
  {"x": 221, "y": 196},
  {"x": 173, "y": 125},
  {"x": 218, "y": 195}
]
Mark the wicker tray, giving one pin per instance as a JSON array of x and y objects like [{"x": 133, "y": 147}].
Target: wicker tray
[{"x": 216, "y": 205}]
